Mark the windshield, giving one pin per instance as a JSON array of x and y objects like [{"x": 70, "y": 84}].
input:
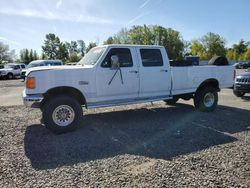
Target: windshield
[
  {"x": 35, "y": 65},
  {"x": 92, "y": 56}
]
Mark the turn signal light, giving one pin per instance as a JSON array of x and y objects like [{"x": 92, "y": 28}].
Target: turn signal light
[{"x": 30, "y": 83}]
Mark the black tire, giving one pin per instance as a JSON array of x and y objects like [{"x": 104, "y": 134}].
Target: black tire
[
  {"x": 238, "y": 93},
  {"x": 65, "y": 104},
  {"x": 218, "y": 60},
  {"x": 202, "y": 97},
  {"x": 172, "y": 101},
  {"x": 10, "y": 76}
]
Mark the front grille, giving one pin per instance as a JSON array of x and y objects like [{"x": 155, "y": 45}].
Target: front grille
[{"x": 243, "y": 80}]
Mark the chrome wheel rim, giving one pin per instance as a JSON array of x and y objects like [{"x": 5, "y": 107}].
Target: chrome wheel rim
[
  {"x": 209, "y": 99},
  {"x": 63, "y": 115}
]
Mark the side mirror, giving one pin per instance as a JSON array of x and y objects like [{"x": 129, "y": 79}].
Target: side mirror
[{"x": 114, "y": 62}]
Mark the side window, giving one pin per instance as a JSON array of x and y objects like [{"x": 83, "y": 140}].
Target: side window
[
  {"x": 23, "y": 66},
  {"x": 16, "y": 67},
  {"x": 124, "y": 55},
  {"x": 57, "y": 63},
  {"x": 47, "y": 63},
  {"x": 151, "y": 57}
]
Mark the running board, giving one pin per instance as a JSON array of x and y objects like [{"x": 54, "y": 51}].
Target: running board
[{"x": 126, "y": 101}]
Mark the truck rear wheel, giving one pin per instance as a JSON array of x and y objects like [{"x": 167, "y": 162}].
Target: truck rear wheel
[
  {"x": 206, "y": 99},
  {"x": 62, "y": 114}
]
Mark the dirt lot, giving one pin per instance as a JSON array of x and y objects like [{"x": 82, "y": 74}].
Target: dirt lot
[
  {"x": 10, "y": 92},
  {"x": 132, "y": 146}
]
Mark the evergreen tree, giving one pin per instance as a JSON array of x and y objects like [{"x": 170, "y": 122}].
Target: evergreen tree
[{"x": 51, "y": 46}]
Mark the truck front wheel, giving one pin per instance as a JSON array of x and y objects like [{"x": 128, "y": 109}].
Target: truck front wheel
[
  {"x": 238, "y": 93},
  {"x": 61, "y": 114},
  {"x": 206, "y": 99},
  {"x": 10, "y": 76}
]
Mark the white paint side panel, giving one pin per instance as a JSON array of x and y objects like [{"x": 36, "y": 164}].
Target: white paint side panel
[
  {"x": 116, "y": 89},
  {"x": 71, "y": 77},
  {"x": 187, "y": 79}
]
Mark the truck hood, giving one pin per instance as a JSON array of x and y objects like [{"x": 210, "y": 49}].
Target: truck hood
[
  {"x": 247, "y": 73},
  {"x": 50, "y": 68}
]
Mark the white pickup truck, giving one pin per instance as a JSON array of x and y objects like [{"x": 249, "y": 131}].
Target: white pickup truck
[
  {"x": 11, "y": 70},
  {"x": 114, "y": 75}
]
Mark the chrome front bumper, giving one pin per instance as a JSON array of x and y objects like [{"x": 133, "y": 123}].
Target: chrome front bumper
[{"x": 32, "y": 101}]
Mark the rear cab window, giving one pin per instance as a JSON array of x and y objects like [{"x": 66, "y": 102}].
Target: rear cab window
[
  {"x": 151, "y": 57},
  {"x": 124, "y": 56}
]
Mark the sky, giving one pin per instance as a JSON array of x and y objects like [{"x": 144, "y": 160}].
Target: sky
[{"x": 24, "y": 23}]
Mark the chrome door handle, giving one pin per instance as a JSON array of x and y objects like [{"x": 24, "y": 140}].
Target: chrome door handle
[
  {"x": 133, "y": 71},
  {"x": 164, "y": 70}
]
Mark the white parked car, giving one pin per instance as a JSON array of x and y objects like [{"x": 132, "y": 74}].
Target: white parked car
[
  {"x": 41, "y": 63},
  {"x": 11, "y": 70},
  {"x": 119, "y": 75}
]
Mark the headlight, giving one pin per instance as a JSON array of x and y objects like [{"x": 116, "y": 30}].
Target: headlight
[{"x": 30, "y": 83}]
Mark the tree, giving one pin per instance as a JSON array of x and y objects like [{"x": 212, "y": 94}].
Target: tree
[
  {"x": 198, "y": 49},
  {"x": 158, "y": 35},
  {"x": 90, "y": 46},
  {"x": 119, "y": 38},
  {"x": 51, "y": 46},
  {"x": 110, "y": 40},
  {"x": 73, "y": 47},
  {"x": 186, "y": 48},
  {"x": 170, "y": 39},
  {"x": 241, "y": 47},
  {"x": 73, "y": 57},
  {"x": 35, "y": 57},
  {"x": 26, "y": 56},
  {"x": 231, "y": 54},
  {"x": 247, "y": 54},
  {"x": 62, "y": 53},
  {"x": 209, "y": 45},
  {"x": 31, "y": 55},
  {"x": 151, "y": 35},
  {"x": 139, "y": 35},
  {"x": 5, "y": 54},
  {"x": 44, "y": 56},
  {"x": 81, "y": 48}
]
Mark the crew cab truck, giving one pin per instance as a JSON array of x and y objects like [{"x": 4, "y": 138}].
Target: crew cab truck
[{"x": 114, "y": 75}]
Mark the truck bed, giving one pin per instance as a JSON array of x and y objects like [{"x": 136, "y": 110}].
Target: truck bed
[{"x": 187, "y": 79}]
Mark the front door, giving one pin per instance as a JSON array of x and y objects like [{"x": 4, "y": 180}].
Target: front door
[{"x": 121, "y": 84}]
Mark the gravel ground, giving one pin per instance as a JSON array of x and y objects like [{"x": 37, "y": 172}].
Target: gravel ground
[
  {"x": 10, "y": 92},
  {"x": 131, "y": 146}
]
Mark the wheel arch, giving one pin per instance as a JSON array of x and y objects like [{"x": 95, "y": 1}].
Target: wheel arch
[
  {"x": 211, "y": 82},
  {"x": 65, "y": 90}
]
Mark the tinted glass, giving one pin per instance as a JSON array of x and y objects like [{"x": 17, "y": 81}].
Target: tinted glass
[
  {"x": 151, "y": 57},
  {"x": 57, "y": 63},
  {"x": 124, "y": 56}
]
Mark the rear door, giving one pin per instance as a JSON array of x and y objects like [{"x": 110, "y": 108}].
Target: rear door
[{"x": 155, "y": 77}]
